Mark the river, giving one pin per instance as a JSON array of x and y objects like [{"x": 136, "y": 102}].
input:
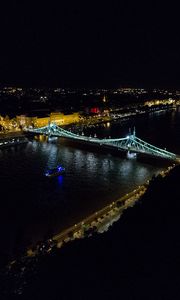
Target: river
[{"x": 34, "y": 207}]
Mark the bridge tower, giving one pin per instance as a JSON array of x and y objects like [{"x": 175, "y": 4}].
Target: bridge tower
[
  {"x": 131, "y": 140},
  {"x": 134, "y": 132},
  {"x": 132, "y": 135}
]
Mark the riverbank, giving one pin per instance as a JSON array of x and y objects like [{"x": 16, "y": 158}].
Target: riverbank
[
  {"x": 118, "y": 116},
  {"x": 12, "y": 140},
  {"x": 99, "y": 221}
]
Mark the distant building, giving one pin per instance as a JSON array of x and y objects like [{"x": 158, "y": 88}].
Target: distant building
[
  {"x": 70, "y": 118},
  {"x": 159, "y": 102},
  {"x": 54, "y": 117},
  {"x": 25, "y": 121},
  {"x": 95, "y": 110}
]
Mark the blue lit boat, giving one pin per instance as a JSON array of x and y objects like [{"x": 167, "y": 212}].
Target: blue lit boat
[{"x": 59, "y": 170}]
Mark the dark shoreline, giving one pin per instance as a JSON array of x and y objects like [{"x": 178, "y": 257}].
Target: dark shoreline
[
  {"x": 147, "y": 218},
  {"x": 12, "y": 141}
]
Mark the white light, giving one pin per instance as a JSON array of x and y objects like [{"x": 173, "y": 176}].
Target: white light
[{"x": 127, "y": 137}]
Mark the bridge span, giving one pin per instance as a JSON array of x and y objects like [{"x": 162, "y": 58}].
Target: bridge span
[{"x": 129, "y": 143}]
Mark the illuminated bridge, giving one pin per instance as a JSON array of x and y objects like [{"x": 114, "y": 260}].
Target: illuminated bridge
[{"x": 130, "y": 143}]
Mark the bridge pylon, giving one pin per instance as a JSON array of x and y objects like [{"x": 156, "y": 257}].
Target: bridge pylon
[
  {"x": 134, "y": 131},
  {"x": 132, "y": 134}
]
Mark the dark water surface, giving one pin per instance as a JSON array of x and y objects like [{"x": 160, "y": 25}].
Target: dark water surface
[{"x": 33, "y": 206}]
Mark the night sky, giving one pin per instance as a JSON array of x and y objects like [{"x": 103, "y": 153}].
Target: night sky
[{"x": 93, "y": 45}]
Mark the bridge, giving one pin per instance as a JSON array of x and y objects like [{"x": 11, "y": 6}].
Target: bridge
[{"x": 129, "y": 143}]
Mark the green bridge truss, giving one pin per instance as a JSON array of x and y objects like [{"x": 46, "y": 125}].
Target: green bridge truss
[{"x": 130, "y": 143}]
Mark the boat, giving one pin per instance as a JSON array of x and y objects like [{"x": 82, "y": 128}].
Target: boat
[{"x": 59, "y": 170}]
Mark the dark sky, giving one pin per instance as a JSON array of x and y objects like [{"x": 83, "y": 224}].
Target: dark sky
[{"x": 86, "y": 44}]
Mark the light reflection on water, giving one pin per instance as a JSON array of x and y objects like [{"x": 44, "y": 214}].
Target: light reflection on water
[{"x": 60, "y": 179}]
